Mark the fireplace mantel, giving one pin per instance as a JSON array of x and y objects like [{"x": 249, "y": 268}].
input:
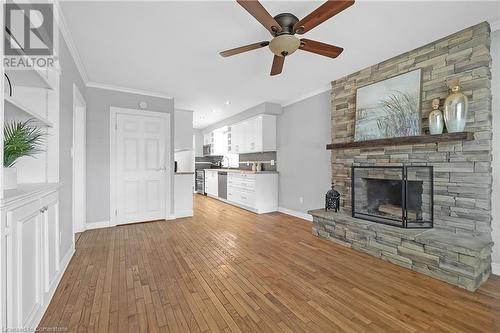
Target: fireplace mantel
[{"x": 406, "y": 140}]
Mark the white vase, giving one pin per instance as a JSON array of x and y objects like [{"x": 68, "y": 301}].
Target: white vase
[{"x": 9, "y": 178}]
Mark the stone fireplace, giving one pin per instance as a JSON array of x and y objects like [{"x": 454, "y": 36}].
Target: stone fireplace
[
  {"x": 456, "y": 202},
  {"x": 398, "y": 196}
]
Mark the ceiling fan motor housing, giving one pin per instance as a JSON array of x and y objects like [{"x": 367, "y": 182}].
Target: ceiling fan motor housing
[
  {"x": 285, "y": 42},
  {"x": 286, "y": 21}
]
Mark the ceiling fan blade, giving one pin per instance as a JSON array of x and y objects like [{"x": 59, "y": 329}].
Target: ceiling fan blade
[
  {"x": 277, "y": 65},
  {"x": 242, "y": 49},
  {"x": 321, "y": 14},
  {"x": 326, "y": 50},
  {"x": 261, "y": 14}
]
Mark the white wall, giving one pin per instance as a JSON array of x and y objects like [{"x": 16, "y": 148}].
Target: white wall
[
  {"x": 303, "y": 162},
  {"x": 69, "y": 75},
  {"x": 198, "y": 143},
  {"x": 185, "y": 161},
  {"x": 495, "y": 88}
]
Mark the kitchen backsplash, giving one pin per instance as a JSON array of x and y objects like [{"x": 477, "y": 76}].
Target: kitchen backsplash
[
  {"x": 205, "y": 161},
  {"x": 264, "y": 158}
]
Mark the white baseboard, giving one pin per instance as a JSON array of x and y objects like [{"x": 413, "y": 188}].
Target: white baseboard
[
  {"x": 97, "y": 225},
  {"x": 183, "y": 213},
  {"x": 495, "y": 268},
  {"x": 300, "y": 215}
]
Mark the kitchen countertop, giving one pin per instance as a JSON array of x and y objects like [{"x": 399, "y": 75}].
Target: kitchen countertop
[
  {"x": 242, "y": 171},
  {"x": 184, "y": 173}
]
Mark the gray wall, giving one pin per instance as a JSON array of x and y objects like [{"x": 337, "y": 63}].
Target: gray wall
[
  {"x": 198, "y": 143},
  {"x": 266, "y": 107},
  {"x": 98, "y": 103},
  {"x": 495, "y": 89},
  {"x": 69, "y": 76},
  {"x": 303, "y": 161}
]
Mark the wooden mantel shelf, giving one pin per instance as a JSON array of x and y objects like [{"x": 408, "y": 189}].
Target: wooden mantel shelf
[{"x": 406, "y": 140}]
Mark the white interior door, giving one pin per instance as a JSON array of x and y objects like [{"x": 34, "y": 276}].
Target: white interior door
[{"x": 141, "y": 167}]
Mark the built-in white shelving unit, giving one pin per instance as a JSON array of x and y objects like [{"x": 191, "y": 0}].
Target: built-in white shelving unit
[
  {"x": 32, "y": 237},
  {"x": 30, "y": 78},
  {"x": 24, "y": 112},
  {"x": 35, "y": 95}
]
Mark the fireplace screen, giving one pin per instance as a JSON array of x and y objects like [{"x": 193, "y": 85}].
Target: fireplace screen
[{"x": 398, "y": 195}]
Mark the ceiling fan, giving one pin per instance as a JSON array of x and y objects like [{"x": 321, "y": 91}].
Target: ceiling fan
[{"x": 283, "y": 28}]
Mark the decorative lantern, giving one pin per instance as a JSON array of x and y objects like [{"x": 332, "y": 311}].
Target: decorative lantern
[{"x": 332, "y": 199}]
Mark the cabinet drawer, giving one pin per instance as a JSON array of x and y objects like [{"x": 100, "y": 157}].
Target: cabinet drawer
[
  {"x": 241, "y": 187},
  {"x": 248, "y": 186},
  {"x": 249, "y": 176},
  {"x": 241, "y": 197},
  {"x": 246, "y": 198}
]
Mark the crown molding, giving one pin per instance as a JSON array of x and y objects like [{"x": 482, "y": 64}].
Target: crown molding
[
  {"x": 305, "y": 96},
  {"x": 494, "y": 24},
  {"x": 127, "y": 90},
  {"x": 63, "y": 27}
]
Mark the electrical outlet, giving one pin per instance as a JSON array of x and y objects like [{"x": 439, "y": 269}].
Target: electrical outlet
[
  {"x": 301, "y": 200},
  {"x": 273, "y": 162},
  {"x": 248, "y": 163}
]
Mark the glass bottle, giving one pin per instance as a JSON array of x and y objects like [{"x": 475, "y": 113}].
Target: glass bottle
[
  {"x": 436, "y": 121},
  {"x": 455, "y": 109}
]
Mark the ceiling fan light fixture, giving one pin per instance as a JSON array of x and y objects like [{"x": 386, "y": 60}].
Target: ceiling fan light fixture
[{"x": 284, "y": 45}]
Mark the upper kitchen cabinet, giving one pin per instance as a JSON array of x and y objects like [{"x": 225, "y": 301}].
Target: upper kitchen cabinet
[
  {"x": 183, "y": 130},
  {"x": 257, "y": 134}
]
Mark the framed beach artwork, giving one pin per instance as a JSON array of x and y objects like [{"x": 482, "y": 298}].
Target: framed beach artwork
[{"x": 389, "y": 108}]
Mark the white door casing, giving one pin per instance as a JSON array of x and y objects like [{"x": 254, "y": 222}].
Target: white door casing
[
  {"x": 78, "y": 154},
  {"x": 140, "y": 166}
]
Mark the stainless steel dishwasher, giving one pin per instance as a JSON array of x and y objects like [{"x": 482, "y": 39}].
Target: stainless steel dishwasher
[{"x": 222, "y": 184}]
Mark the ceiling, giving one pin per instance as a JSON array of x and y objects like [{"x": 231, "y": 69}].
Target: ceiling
[{"x": 172, "y": 47}]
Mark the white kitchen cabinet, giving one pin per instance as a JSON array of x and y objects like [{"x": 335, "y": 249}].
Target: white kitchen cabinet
[
  {"x": 183, "y": 130},
  {"x": 238, "y": 137},
  {"x": 212, "y": 182},
  {"x": 31, "y": 265},
  {"x": 219, "y": 143},
  {"x": 257, "y": 192},
  {"x": 257, "y": 134}
]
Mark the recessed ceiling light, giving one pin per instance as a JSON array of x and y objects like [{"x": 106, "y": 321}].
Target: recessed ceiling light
[
  {"x": 228, "y": 102},
  {"x": 213, "y": 110}
]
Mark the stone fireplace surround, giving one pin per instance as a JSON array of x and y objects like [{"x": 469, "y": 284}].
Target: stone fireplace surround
[{"x": 458, "y": 249}]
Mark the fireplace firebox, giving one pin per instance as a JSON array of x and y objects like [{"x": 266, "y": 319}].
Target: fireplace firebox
[{"x": 401, "y": 196}]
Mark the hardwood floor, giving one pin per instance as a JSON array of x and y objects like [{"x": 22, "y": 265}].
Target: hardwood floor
[{"x": 229, "y": 270}]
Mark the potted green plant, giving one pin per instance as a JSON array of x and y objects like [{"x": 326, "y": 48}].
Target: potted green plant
[{"x": 21, "y": 138}]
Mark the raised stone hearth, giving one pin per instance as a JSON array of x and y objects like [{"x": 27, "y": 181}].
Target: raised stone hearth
[
  {"x": 459, "y": 259},
  {"x": 457, "y": 249}
]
